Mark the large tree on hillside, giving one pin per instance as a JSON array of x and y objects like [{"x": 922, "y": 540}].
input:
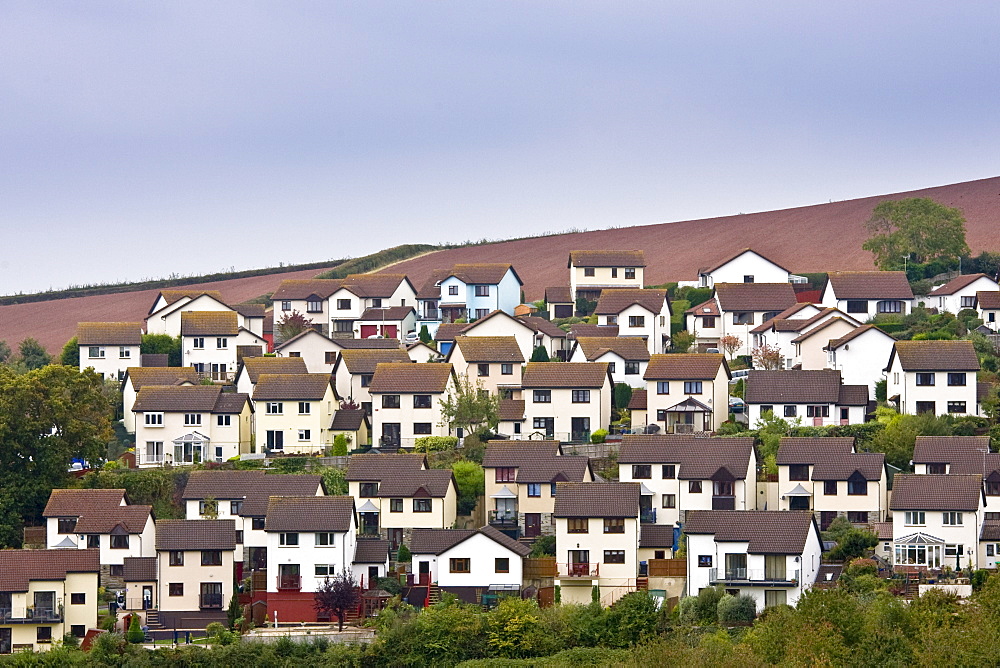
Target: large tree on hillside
[{"x": 917, "y": 228}]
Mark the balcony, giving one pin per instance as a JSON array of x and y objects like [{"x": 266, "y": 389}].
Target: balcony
[
  {"x": 32, "y": 614},
  {"x": 210, "y": 601},
  {"x": 647, "y": 515},
  {"x": 289, "y": 582},
  {"x": 503, "y": 518},
  {"x": 753, "y": 576},
  {"x": 580, "y": 570},
  {"x": 723, "y": 502}
]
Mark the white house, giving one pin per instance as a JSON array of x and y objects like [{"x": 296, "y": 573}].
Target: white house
[
  {"x": 317, "y": 351},
  {"x": 819, "y": 398},
  {"x": 109, "y": 348},
  {"x": 406, "y": 402},
  {"x": 959, "y": 293},
  {"x": 251, "y": 369},
  {"x": 209, "y": 340},
  {"x": 566, "y": 400},
  {"x": 137, "y": 377},
  {"x": 739, "y": 308},
  {"x": 933, "y": 377},
  {"x": 358, "y": 293},
  {"x": 988, "y": 306},
  {"x": 644, "y": 313},
  {"x": 473, "y": 291},
  {"x": 859, "y": 355},
  {"x": 591, "y": 271},
  {"x": 353, "y": 372},
  {"x": 687, "y": 392},
  {"x": 866, "y": 293},
  {"x": 389, "y": 322},
  {"x": 627, "y": 357},
  {"x": 797, "y": 325},
  {"x": 294, "y": 412},
  {"x": 462, "y": 561},
  {"x": 769, "y": 555},
  {"x": 957, "y": 455},
  {"x": 308, "y": 297},
  {"x": 492, "y": 362},
  {"x": 560, "y": 303},
  {"x": 550, "y": 336},
  {"x": 745, "y": 266},
  {"x": 164, "y": 315},
  {"x": 809, "y": 347}
]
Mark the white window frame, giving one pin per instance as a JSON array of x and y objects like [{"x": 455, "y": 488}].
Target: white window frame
[
  {"x": 192, "y": 419},
  {"x": 198, "y": 343},
  {"x": 915, "y": 518},
  {"x": 153, "y": 419},
  {"x": 222, "y": 343},
  {"x": 99, "y": 350},
  {"x": 274, "y": 408},
  {"x": 124, "y": 352}
]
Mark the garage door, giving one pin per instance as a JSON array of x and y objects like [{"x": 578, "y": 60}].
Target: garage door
[
  {"x": 389, "y": 331},
  {"x": 368, "y": 330}
]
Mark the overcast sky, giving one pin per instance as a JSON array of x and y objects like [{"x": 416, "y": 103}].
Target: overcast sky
[{"x": 141, "y": 139}]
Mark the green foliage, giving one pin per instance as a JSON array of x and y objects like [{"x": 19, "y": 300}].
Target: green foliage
[
  {"x": 545, "y": 546},
  {"x": 682, "y": 341},
  {"x": 158, "y": 487},
  {"x": 4, "y": 352},
  {"x": 469, "y": 408},
  {"x": 623, "y": 395},
  {"x": 435, "y": 443},
  {"x": 881, "y": 390},
  {"x": 918, "y": 228},
  {"x": 340, "y": 445},
  {"x": 162, "y": 344},
  {"x": 336, "y": 595},
  {"x": 360, "y": 265},
  {"x": 585, "y": 307},
  {"x": 219, "y": 634},
  {"x": 71, "y": 353},
  {"x": 234, "y": 612},
  {"x": 471, "y": 485},
  {"x": 425, "y": 335},
  {"x": 134, "y": 634},
  {"x": 738, "y": 388},
  {"x": 599, "y": 436},
  {"x": 403, "y": 555},
  {"x": 32, "y": 354},
  {"x": 703, "y": 608},
  {"x": 539, "y": 354},
  {"x": 290, "y": 465},
  {"x": 334, "y": 480},
  {"x": 899, "y": 434},
  {"x": 390, "y": 585},
  {"x": 630, "y": 621},
  {"x": 736, "y": 609},
  {"x": 291, "y": 324},
  {"x": 853, "y": 543},
  {"x": 514, "y": 629}
]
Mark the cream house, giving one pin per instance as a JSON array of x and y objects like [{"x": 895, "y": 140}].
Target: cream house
[
  {"x": 643, "y": 313},
  {"x": 195, "y": 572},
  {"x": 796, "y": 325},
  {"x": 627, "y": 357},
  {"x": 136, "y": 377},
  {"x": 493, "y": 362},
  {"x": 565, "y": 400},
  {"x": 687, "y": 392},
  {"x": 406, "y": 401},
  {"x": 209, "y": 340},
  {"x": 252, "y": 367},
  {"x": 354, "y": 370},
  {"x": 550, "y": 336},
  {"x": 109, "y": 348},
  {"x": 590, "y": 271},
  {"x": 294, "y": 411},
  {"x": 809, "y": 348},
  {"x": 318, "y": 352},
  {"x": 936, "y": 377},
  {"x": 308, "y": 297},
  {"x": 742, "y": 306}
]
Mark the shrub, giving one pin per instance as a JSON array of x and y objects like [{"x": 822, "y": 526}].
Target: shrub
[
  {"x": 631, "y": 620},
  {"x": 134, "y": 634},
  {"x": 545, "y": 546},
  {"x": 599, "y": 436},
  {"x": 340, "y": 445},
  {"x": 736, "y": 609},
  {"x": 435, "y": 443},
  {"x": 403, "y": 556},
  {"x": 390, "y": 585}
]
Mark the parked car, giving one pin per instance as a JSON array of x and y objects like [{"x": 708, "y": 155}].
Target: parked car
[
  {"x": 736, "y": 405},
  {"x": 411, "y": 337}
]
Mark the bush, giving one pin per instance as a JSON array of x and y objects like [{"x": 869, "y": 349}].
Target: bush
[
  {"x": 737, "y": 609},
  {"x": 403, "y": 556},
  {"x": 599, "y": 436},
  {"x": 545, "y": 546},
  {"x": 340, "y": 445},
  {"x": 435, "y": 443},
  {"x": 390, "y": 585},
  {"x": 134, "y": 634},
  {"x": 631, "y": 620}
]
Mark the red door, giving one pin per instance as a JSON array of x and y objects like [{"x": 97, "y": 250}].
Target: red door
[
  {"x": 532, "y": 524},
  {"x": 389, "y": 331},
  {"x": 368, "y": 330}
]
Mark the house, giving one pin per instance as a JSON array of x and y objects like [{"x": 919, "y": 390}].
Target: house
[
  {"x": 769, "y": 555},
  {"x": 866, "y": 293},
  {"x": 389, "y": 322},
  {"x": 137, "y": 377},
  {"x": 988, "y": 306},
  {"x": 560, "y": 303},
  {"x": 473, "y": 291},
  {"x": 958, "y": 455},
  {"x": 627, "y": 357},
  {"x": 859, "y": 354},
  {"x": 195, "y": 571},
  {"x": 446, "y": 333},
  {"x": 164, "y": 316},
  {"x": 336, "y": 305},
  {"x": 397, "y": 493},
  {"x": 252, "y": 317},
  {"x": 809, "y": 348},
  {"x": 567, "y": 400},
  {"x": 354, "y": 370},
  {"x": 109, "y": 348},
  {"x": 492, "y": 362},
  {"x": 644, "y": 313},
  {"x": 318, "y": 352},
  {"x": 100, "y": 519},
  {"x": 959, "y": 293},
  {"x": 308, "y": 297},
  {"x": 497, "y": 323},
  {"x": 638, "y": 408},
  {"x": 406, "y": 400},
  {"x": 935, "y": 377},
  {"x": 294, "y": 412},
  {"x": 45, "y": 595},
  {"x": 597, "y": 540},
  {"x": 797, "y": 325},
  {"x": 371, "y": 561},
  {"x": 936, "y": 520},
  {"x": 680, "y": 473},
  {"x": 354, "y": 424},
  {"x": 511, "y": 422},
  {"x": 745, "y": 266},
  {"x": 590, "y": 271},
  {"x": 209, "y": 340},
  {"x": 252, "y": 368},
  {"x": 310, "y": 539},
  {"x": 820, "y": 397},
  {"x": 738, "y": 307},
  {"x": 687, "y": 392},
  {"x": 139, "y": 578},
  {"x": 548, "y": 335},
  {"x": 422, "y": 352},
  {"x": 521, "y": 484},
  {"x": 826, "y": 476},
  {"x": 470, "y": 563}
]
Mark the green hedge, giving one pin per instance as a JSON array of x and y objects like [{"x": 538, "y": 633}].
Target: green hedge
[{"x": 435, "y": 443}]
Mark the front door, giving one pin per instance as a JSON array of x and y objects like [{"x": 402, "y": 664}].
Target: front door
[
  {"x": 219, "y": 372},
  {"x": 424, "y": 572},
  {"x": 5, "y": 641},
  {"x": 211, "y": 595},
  {"x": 532, "y": 524},
  {"x": 506, "y": 511},
  {"x": 372, "y": 576},
  {"x": 390, "y": 435},
  {"x": 275, "y": 440},
  {"x": 579, "y": 562},
  {"x": 581, "y": 429},
  {"x": 736, "y": 566},
  {"x": 147, "y": 597},
  {"x": 395, "y": 538}
]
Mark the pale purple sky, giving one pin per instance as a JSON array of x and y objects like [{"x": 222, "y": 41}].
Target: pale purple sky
[{"x": 140, "y": 139}]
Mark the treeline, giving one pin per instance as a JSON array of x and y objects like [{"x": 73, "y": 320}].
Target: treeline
[{"x": 360, "y": 265}]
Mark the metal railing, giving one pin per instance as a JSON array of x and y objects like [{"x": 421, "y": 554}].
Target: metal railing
[
  {"x": 753, "y": 575},
  {"x": 210, "y": 601},
  {"x": 563, "y": 436},
  {"x": 138, "y": 604},
  {"x": 503, "y": 517},
  {"x": 647, "y": 515},
  {"x": 32, "y": 614},
  {"x": 578, "y": 570}
]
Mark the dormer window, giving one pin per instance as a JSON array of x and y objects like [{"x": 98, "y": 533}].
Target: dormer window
[
  {"x": 369, "y": 490},
  {"x": 857, "y": 485},
  {"x": 314, "y": 305},
  {"x": 377, "y": 302}
]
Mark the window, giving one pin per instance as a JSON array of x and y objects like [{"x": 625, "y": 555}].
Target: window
[
  {"x": 395, "y": 505},
  {"x": 483, "y": 370},
  {"x": 534, "y": 489},
  {"x": 198, "y": 342},
  {"x": 798, "y": 472},
  {"x": 369, "y": 490},
  {"x": 642, "y": 471},
  {"x": 766, "y": 408},
  {"x": 704, "y": 561},
  {"x": 937, "y": 469},
  {"x": 482, "y": 290},
  {"x": 239, "y": 537},
  {"x": 275, "y": 440},
  {"x": 452, "y": 290},
  {"x": 175, "y": 589},
  {"x": 286, "y": 305},
  {"x": 791, "y": 410},
  {"x": 743, "y": 318},
  {"x": 78, "y": 630},
  {"x": 630, "y": 273},
  {"x": 694, "y": 486},
  {"x": 305, "y": 408},
  {"x": 637, "y": 321},
  {"x": 93, "y": 542},
  {"x": 708, "y": 322},
  {"x": 192, "y": 419},
  {"x": 153, "y": 419},
  {"x": 221, "y": 343},
  {"x": 95, "y": 352},
  {"x": 662, "y": 387},
  {"x": 390, "y": 401},
  {"x": 926, "y": 407},
  {"x": 614, "y": 525},
  {"x": 116, "y": 571},
  {"x": 208, "y": 508},
  {"x": 305, "y": 434},
  {"x": 857, "y": 306},
  {"x": 223, "y": 420},
  {"x": 956, "y": 379},
  {"x": 78, "y": 599},
  {"x": 857, "y": 485},
  {"x": 817, "y": 411},
  {"x": 631, "y": 368},
  {"x": 289, "y": 539},
  {"x": 990, "y": 549},
  {"x": 506, "y": 369},
  {"x": 421, "y": 505},
  {"x": 692, "y": 387},
  {"x": 343, "y": 304},
  {"x": 460, "y": 565},
  {"x": 577, "y": 525},
  {"x": 956, "y": 406},
  {"x": 257, "y": 524},
  {"x": 552, "y": 489},
  {"x": 43, "y": 634},
  {"x": 614, "y": 556},
  {"x": 377, "y": 303},
  {"x": 324, "y": 570},
  {"x": 669, "y": 501},
  {"x": 890, "y": 306},
  {"x": 914, "y": 518},
  {"x": 119, "y": 542},
  {"x": 857, "y": 517},
  {"x": 668, "y": 471},
  {"x": 581, "y": 396},
  {"x": 951, "y": 519},
  {"x": 366, "y": 379},
  {"x": 481, "y": 313},
  {"x": 614, "y": 272},
  {"x": 325, "y": 539},
  {"x": 330, "y": 357},
  {"x": 611, "y": 367},
  {"x": 501, "y": 565},
  {"x": 274, "y": 408},
  {"x": 588, "y": 271},
  {"x": 124, "y": 352},
  {"x": 421, "y": 428},
  {"x": 722, "y": 488},
  {"x": 611, "y": 320},
  {"x": 211, "y": 557},
  {"x": 925, "y": 379},
  {"x": 67, "y": 524},
  {"x": 830, "y": 487},
  {"x": 314, "y": 305},
  {"x": 542, "y": 396},
  {"x": 993, "y": 488}
]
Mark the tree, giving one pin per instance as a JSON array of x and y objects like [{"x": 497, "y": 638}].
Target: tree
[
  {"x": 71, "y": 353},
  {"x": 917, "y": 228},
  {"x": 33, "y": 355},
  {"x": 470, "y": 483},
  {"x": 425, "y": 336},
  {"x": 338, "y": 595},
  {"x": 162, "y": 344},
  {"x": 340, "y": 445},
  {"x": 623, "y": 395},
  {"x": 766, "y": 357},
  {"x": 682, "y": 341},
  {"x": 4, "y": 352},
  {"x": 470, "y": 407},
  {"x": 292, "y": 324},
  {"x": 134, "y": 634},
  {"x": 730, "y": 344},
  {"x": 539, "y": 354}
]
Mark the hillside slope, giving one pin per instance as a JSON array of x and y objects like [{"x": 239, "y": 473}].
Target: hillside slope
[{"x": 815, "y": 238}]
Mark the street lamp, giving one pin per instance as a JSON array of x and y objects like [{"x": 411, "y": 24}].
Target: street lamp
[{"x": 905, "y": 258}]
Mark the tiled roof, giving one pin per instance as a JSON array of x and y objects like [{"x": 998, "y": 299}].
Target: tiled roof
[
  {"x": 109, "y": 333},
  {"x": 518, "y": 453},
  {"x": 209, "y": 323},
  {"x": 565, "y": 375},
  {"x": 299, "y": 289},
  {"x": 375, "y": 467},
  {"x": 373, "y": 285},
  {"x": 482, "y": 274},
  {"x": 388, "y": 313},
  {"x": 428, "y": 483},
  {"x": 936, "y": 492},
  {"x": 170, "y": 399},
  {"x": 437, "y": 541},
  {"x": 255, "y": 366},
  {"x": 566, "y": 468},
  {"x": 196, "y": 535},
  {"x": 597, "y": 499},
  {"x": 230, "y": 402},
  {"x": 405, "y": 378},
  {"x": 139, "y": 569},
  {"x": 729, "y": 258},
  {"x": 366, "y": 360},
  {"x": 154, "y": 360},
  {"x": 871, "y": 465},
  {"x": 291, "y": 386},
  {"x": 221, "y": 485},
  {"x": 989, "y": 299},
  {"x": 586, "y": 329},
  {"x": 512, "y": 409},
  {"x": 369, "y": 551},
  {"x": 447, "y": 331},
  {"x": 765, "y": 531},
  {"x": 853, "y": 334},
  {"x": 882, "y": 529},
  {"x": 543, "y": 326},
  {"x": 853, "y": 395},
  {"x": 784, "y": 315},
  {"x": 638, "y": 400},
  {"x": 248, "y": 310},
  {"x": 173, "y": 296},
  {"x": 818, "y": 329},
  {"x": 360, "y": 344},
  {"x": 685, "y": 366},
  {"x": 166, "y": 375},
  {"x": 936, "y": 355},
  {"x": 966, "y": 454},
  {"x": 615, "y": 300},
  {"x": 559, "y": 294},
  {"x": 709, "y": 308},
  {"x": 656, "y": 535},
  {"x": 248, "y": 352},
  {"x": 348, "y": 419},
  {"x": 489, "y": 349},
  {"x": 870, "y": 285},
  {"x": 132, "y": 519},
  {"x": 98, "y": 511},
  {"x": 795, "y": 387},
  {"x": 19, "y": 567},
  {"x": 301, "y": 335},
  {"x": 990, "y": 530},
  {"x": 629, "y": 348},
  {"x": 809, "y": 450},
  {"x": 754, "y": 296},
  {"x": 607, "y": 258},
  {"x": 956, "y": 284},
  {"x": 431, "y": 288},
  {"x": 697, "y": 458},
  {"x": 309, "y": 513},
  {"x": 255, "y": 504}
]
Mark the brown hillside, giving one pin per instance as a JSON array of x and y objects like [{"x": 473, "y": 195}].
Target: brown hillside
[{"x": 823, "y": 237}]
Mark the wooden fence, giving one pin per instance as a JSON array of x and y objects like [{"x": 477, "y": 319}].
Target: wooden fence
[
  {"x": 539, "y": 568},
  {"x": 667, "y": 568}
]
